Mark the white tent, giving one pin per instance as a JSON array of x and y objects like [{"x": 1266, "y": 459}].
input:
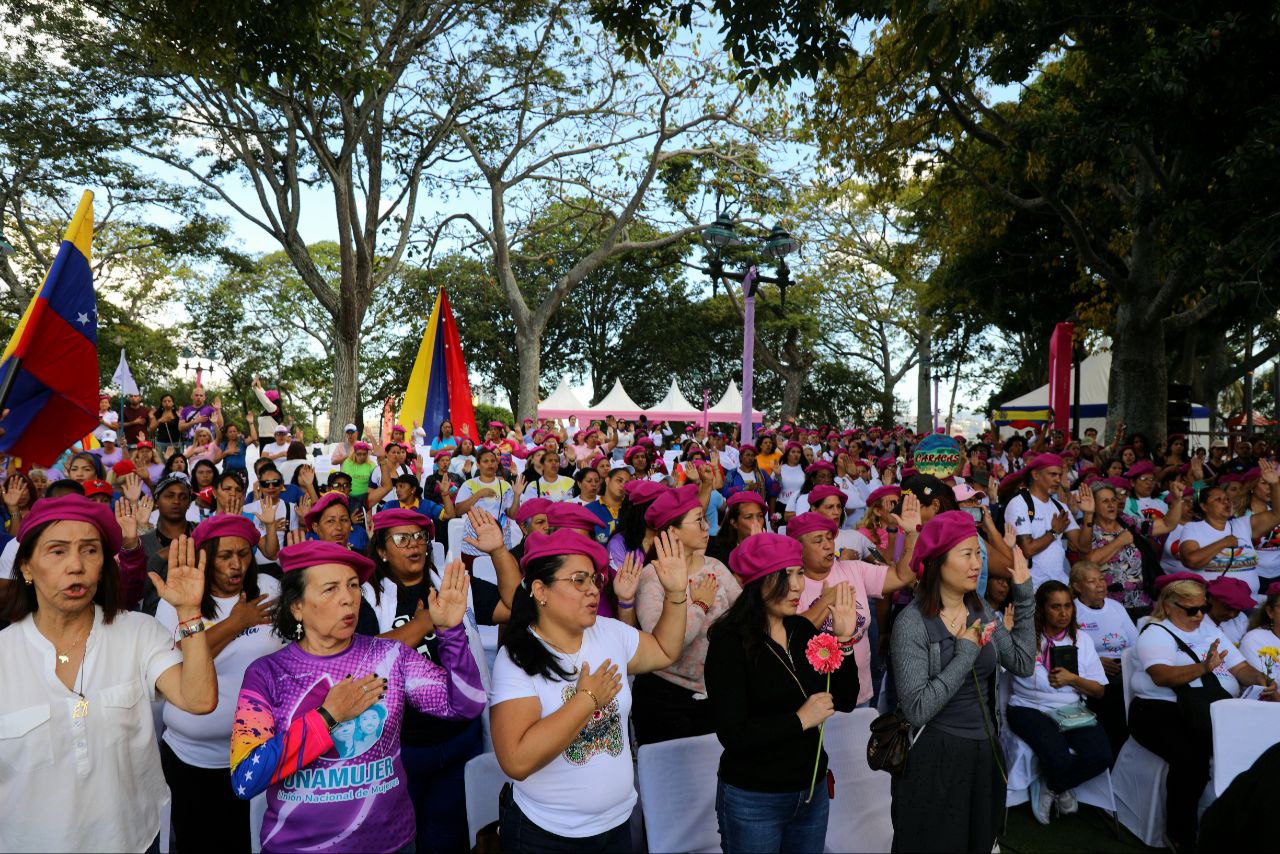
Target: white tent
[
  {"x": 562, "y": 403},
  {"x": 616, "y": 403},
  {"x": 729, "y": 408},
  {"x": 1095, "y": 377},
  {"x": 673, "y": 407}
]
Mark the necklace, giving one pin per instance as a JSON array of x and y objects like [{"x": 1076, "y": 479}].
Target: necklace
[
  {"x": 789, "y": 663},
  {"x": 553, "y": 645}
]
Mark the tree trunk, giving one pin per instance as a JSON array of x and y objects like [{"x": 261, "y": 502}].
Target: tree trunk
[
  {"x": 924, "y": 379},
  {"x": 951, "y": 405},
  {"x": 1210, "y": 386},
  {"x": 346, "y": 371},
  {"x": 529, "y": 356},
  {"x": 793, "y": 384},
  {"x": 886, "y": 402},
  {"x": 1138, "y": 388}
]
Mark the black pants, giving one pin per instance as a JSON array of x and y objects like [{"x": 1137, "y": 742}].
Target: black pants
[
  {"x": 950, "y": 797},
  {"x": 663, "y": 711},
  {"x": 1110, "y": 712},
  {"x": 437, "y": 788},
  {"x": 1159, "y": 727},
  {"x": 1067, "y": 759},
  {"x": 205, "y": 814},
  {"x": 521, "y": 836}
]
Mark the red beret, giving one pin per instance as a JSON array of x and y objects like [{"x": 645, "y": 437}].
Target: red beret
[
  {"x": 75, "y": 508},
  {"x": 319, "y": 552},
  {"x": 225, "y": 525},
  {"x": 538, "y": 545},
  {"x": 764, "y": 554}
]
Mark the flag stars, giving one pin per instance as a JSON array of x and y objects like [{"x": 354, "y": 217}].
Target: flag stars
[{"x": 82, "y": 318}]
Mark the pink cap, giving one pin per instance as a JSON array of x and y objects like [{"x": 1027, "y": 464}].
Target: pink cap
[
  {"x": 643, "y": 491},
  {"x": 822, "y": 492},
  {"x": 310, "y": 553},
  {"x": 883, "y": 492},
  {"x": 566, "y": 514},
  {"x": 764, "y": 554},
  {"x": 394, "y": 517},
  {"x": 671, "y": 505},
  {"x": 965, "y": 491},
  {"x": 538, "y": 545},
  {"x": 532, "y": 507},
  {"x": 75, "y": 508},
  {"x": 746, "y": 496},
  {"x": 1231, "y": 592},
  {"x": 326, "y": 501},
  {"x": 807, "y": 523},
  {"x": 940, "y": 534},
  {"x": 225, "y": 525}
]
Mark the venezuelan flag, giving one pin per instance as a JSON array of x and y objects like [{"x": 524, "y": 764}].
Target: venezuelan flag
[
  {"x": 50, "y": 368},
  {"x": 438, "y": 386}
]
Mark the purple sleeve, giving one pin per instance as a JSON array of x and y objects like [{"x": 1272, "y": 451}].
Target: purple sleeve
[
  {"x": 451, "y": 689},
  {"x": 133, "y": 575}
]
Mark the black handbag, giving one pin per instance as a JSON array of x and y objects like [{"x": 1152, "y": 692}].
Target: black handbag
[
  {"x": 889, "y": 743},
  {"x": 1193, "y": 703}
]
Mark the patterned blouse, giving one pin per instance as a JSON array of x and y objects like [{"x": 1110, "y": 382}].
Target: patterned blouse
[{"x": 1124, "y": 569}]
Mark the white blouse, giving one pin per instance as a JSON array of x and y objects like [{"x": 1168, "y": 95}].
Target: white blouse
[{"x": 92, "y": 782}]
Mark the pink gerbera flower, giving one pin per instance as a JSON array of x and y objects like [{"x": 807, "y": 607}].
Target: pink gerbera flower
[{"x": 823, "y": 653}]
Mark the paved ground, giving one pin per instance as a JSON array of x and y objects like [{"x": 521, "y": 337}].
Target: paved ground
[{"x": 1089, "y": 830}]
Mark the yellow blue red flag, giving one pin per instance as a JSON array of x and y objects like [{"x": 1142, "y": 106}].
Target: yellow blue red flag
[
  {"x": 50, "y": 367},
  {"x": 438, "y": 385}
]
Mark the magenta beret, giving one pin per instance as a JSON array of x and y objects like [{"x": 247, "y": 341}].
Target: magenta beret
[
  {"x": 1231, "y": 592},
  {"x": 310, "y": 553},
  {"x": 532, "y": 507},
  {"x": 807, "y": 523},
  {"x": 747, "y": 446},
  {"x": 75, "y": 508},
  {"x": 1273, "y": 589},
  {"x": 787, "y": 447},
  {"x": 746, "y": 496},
  {"x": 538, "y": 545},
  {"x": 764, "y": 554},
  {"x": 940, "y": 534},
  {"x": 1252, "y": 474},
  {"x": 566, "y": 514},
  {"x": 822, "y": 492},
  {"x": 820, "y": 465},
  {"x": 671, "y": 505},
  {"x": 395, "y": 516},
  {"x": 1164, "y": 580},
  {"x": 225, "y": 525},
  {"x": 861, "y": 462},
  {"x": 643, "y": 491},
  {"x": 1118, "y": 483},
  {"x": 633, "y": 450},
  {"x": 326, "y": 501},
  {"x": 885, "y": 462},
  {"x": 1140, "y": 468},
  {"x": 883, "y": 492},
  {"x": 361, "y": 446},
  {"x": 1043, "y": 461}
]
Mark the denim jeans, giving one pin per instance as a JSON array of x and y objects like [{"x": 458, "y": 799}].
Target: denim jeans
[
  {"x": 771, "y": 821},
  {"x": 1067, "y": 759}
]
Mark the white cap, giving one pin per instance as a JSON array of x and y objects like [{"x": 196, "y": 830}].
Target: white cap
[
  {"x": 280, "y": 428},
  {"x": 619, "y": 464},
  {"x": 108, "y": 435},
  {"x": 350, "y": 428}
]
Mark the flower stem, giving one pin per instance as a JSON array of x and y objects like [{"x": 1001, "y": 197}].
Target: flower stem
[{"x": 817, "y": 760}]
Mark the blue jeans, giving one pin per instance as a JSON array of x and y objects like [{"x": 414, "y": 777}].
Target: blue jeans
[
  {"x": 1067, "y": 759},
  {"x": 771, "y": 821},
  {"x": 437, "y": 788}
]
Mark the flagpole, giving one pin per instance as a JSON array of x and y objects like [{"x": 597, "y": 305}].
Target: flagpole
[{"x": 6, "y": 384}]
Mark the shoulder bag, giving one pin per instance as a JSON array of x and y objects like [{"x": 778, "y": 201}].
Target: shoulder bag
[{"x": 1194, "y": 703}]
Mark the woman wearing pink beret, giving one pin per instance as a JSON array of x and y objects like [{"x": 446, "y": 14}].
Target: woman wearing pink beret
[{"x": 745, "y": 514}]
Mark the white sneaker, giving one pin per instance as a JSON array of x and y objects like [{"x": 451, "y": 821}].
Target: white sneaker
[
  {"x": 1067, "y": 804},
  {"x": 1041, "y": 801}
]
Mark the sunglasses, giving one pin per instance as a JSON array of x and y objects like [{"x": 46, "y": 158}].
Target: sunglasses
[
  {"x": 1192, "y": 610},
  {"x": 271, "y": 484},
  {"x": 584, "y": 581},
  {"x": 402, "y": 541}
]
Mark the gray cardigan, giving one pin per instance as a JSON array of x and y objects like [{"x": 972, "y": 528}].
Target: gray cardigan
[{"x": 925, "y": 686}]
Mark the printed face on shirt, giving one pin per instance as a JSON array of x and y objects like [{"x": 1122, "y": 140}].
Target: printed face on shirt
[{"x": 354, "y": 737}]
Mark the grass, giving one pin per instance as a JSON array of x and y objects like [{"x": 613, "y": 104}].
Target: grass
[{"x": 1090, "y": 830}]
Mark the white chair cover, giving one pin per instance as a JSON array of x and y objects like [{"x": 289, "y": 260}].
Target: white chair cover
[
  {"x": 860, "y": 818},
  {"x": 1242, "y": 731},
  {"x": 677, "y": 782},
  {"x": 483, "y": 782},
  {"x": 456, "y": 532},
  {"x": 438, "y": 554}
]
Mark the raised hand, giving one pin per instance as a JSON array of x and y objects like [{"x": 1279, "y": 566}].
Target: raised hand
[
  {"x": 297, "y": 535},
  {"x": 627, "y": 581},
  {"x": 1084, "y": 496},
  {"x": 267, "y": 512},
  {"x": 184, "y": 587},
  {"x": 232, "y": 504},
  {"x": 844, "y": 613},
  {"x": 448, "y": 604},
  {"x": 15, "y": 493},
  {"x": 1269, "y": 474},
  {"x": 670, "y": 566},
  {"x": 909, "y": 518},
  {"x": 131, "y": 486},
  {"x": 126, "y": 516},
  {"x": 488, "y": 535},
  {"x": 1021, "y": 571},
  {"x": 1213, "y": 658},
  {"x": 1060, "y": 522}
]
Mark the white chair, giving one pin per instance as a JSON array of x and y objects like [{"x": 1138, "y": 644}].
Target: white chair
[
  {"x": 483, "y": 781},
  {"x": 677, "y": 782},
  {"x": 456, "y": 532},
  {"x": 438, "y": 554},
  {"x": 860, "y": 814},
  {"x": 1242, "y": 731}
]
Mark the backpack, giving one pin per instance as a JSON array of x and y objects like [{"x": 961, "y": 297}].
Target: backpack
[{"x": 1031, "y": 511}]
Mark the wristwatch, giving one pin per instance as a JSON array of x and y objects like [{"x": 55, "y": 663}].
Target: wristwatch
[{"x": 329, "y": 721}]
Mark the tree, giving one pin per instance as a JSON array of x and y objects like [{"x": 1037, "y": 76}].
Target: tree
[{"x": 570, "y": 119}]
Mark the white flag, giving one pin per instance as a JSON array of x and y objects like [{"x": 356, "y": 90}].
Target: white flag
[{"x": 123, "y": 377}]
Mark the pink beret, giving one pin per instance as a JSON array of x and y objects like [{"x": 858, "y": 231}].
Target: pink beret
[
  {"x": 643, "y": 491},
  {"x": 822, "y": 492},
  {"x": 807, "y": 523},
  {"x": 361, "y": 446},
  {"x": 326, "y": 501},
  {"x": 1165, "y": 580},
  {"x": 566, "y": 514},
  {"x": 885, "y": 462},
  {"x": 498, "y": 424},
  {"x": 764, "y": 554},
  {"x": 1273, "y": 589},
  {"x": 1140, "y": 468},
  {"x": 861, "y": 462},
  {"x": 671, "y": 505},
  {"x": 747, "y": 446},
  {"x": 1118, "y": 483},
  {"x": 310, "y": 553},
  {"x": 940, "y": 534},
  {"x": 400, "y": 427},
  {"x": 791, "y": 445},
  {"x": 746, "y": 496},
  {"x": 883, "y": 492},
  {"x": 538, "y": 545},
  {"x": 225, "y": 525},
  {"x": 1252, "y": 474},
  {"x": 532, "y": 507},
  {"x": 75, "y": 508},
  {"x": 395, "y": 516},
  {"x": 1043, "y": 461},
  {"x": 1231, "y": 592},
  {"x": 820, "y": 465},
  {"x": 442, "y": 454}
]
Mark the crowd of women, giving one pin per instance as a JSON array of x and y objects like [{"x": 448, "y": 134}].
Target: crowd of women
[{"x": 197, "y": 617}]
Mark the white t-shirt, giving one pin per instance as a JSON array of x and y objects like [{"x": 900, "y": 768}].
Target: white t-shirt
[
  {"x": 1035, "y": 692},
  {"x": 1169, "y": 560},
  {"x": 855, "y": 541},
  {"x": 112, "y": 418},
  {"x": 729, "y": 458},
  {"x": 201, "y": 740},
  {"x": 1239, "y": 562},
  {"x": 1235, "y": 628},
  {"x": 88, "y": 783},
  {"x": 589, "y": 788},
  {"x": 284, "y": 510},
  {"x": 375, "y": 479},
  {"x": 7, "y": 557},
  {"x": 1146, "y": 508},
  {"x": 277, "y": 450},
  {"x": 560, "y": 489},
  {"x": 791, "y": 478},
  {"x": 1258, "y": 639},
  {"x": 1109, "y": 627},
  {"x": 1155, "y": 646},
  {"x": 1052, "y": 562},
  {"x": 497, "y": 505}
]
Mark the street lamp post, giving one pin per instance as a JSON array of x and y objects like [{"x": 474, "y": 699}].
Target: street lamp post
[{"x": 720, "y": 236}]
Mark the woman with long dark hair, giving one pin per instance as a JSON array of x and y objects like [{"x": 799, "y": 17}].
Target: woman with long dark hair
[
  {"x": 767, "y": 703},
  {"x": 633, "y": 535},
  {"x": 560, "y": 697},
  {"x": 946, "y": 646},
  {"x": 744, "y": 515},
  {"x": 444, "y": 440}
]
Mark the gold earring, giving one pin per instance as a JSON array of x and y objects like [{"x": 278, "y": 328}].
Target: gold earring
[
  {"x": 543, "y": 603},
  {"x": 27, "y": 579}
]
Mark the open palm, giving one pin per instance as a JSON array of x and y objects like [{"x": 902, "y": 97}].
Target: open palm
[{"x": 448, "y": 604}]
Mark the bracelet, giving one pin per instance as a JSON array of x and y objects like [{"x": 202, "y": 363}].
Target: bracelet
[
  {"x": 190, "y": 628},
  {"x": 626, "y": 603},
  {"x": 329, "y": 720},
  {"x": 706, "y": 609},
  {"x": 681, "y": 602}
]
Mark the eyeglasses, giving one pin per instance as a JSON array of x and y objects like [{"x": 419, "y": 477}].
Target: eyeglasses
[
  {"x": 402, "y": 541},
  {"x": 271, "y": 484},
  {"x": 1192, "y": 610},
  {"x": 584, "y": 581},
  {"x": 701, "y": 522},
  {"x": 341, "y": 487}
]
